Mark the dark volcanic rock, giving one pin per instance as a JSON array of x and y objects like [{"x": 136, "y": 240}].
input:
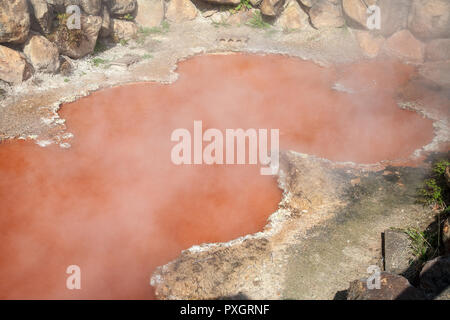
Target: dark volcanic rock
[
  {"x": 393, "y": 287},
  {"x": 435, "y": 276},
  {"x": 398, "y": 255}
]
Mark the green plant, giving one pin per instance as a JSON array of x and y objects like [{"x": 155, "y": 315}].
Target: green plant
[
  {"x": 435, "y": 190},
  {"x": 424, "y": 244},
  {"x": 128, "y": 17},
  {"x": 98, "y": 61},
  {"x": 62, "y": 18},
  {"x": 256, "y": 21},
  {"x": 123, "y": 42},
  {"x": 244, "y": 4},
  {"x": 147, "y": 56},
  {"x": 66, "y": 80}
]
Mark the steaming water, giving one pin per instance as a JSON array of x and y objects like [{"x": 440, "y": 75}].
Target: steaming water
[{"x": 115, "y": 205}]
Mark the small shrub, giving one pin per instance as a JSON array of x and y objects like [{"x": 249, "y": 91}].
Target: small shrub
[
  {"x": 435, "y": 191},
  {"x": 243, "y": 5},
  {"x": 424, "y": 244},
  {"x": 128, "y": 17}
]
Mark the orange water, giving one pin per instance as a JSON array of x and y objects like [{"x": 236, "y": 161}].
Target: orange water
[{"x": 115, "y": 205}]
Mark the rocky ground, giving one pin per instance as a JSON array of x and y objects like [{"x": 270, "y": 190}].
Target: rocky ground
[{"x": 328, "y": 228}]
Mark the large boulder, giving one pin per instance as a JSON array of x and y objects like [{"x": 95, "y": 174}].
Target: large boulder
[
  {"x": 293, "y": 17},
  {"x": 14, "y": 67},
  {"x": 437, "y": 50},
  {"x": 181, "y": 10},
  {"x": 369, "y": 43},
  {"x": 14, "y": 21},
  {"x": 271, "y": 8},
  {"x": 355, "y": 13},
  {"x": 41, "y": 16},
  {"x": 436, "y": 73},
  {"x": 122, "y": 7},
  {"x": 92, "y": 7},
  {"x": 123, "y": 30},
  {"x": 398, "y": 254},
  {"x": 405, "y": 46},
  {"x": 394, "y": 15},
  {"x": 392, "y": 287},
  {"x": 446, "y": 224},
  {"x": 306, "y": 3},
  {"x": 106, "y": 28},
  {"x": 150, "y": 13},
  {"x": 43, "y": 54},
  {"x": 326, "y": 14},
  {"x": 430, "y": 19},
  {"x": 77, "y": 43},
  {"x": 435, "y": 276}
]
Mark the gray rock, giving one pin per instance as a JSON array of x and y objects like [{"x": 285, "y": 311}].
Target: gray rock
[
  {"x": 393, "y": 287},
  {"x": 394, "y": 15},
  {"x": 150, "y": 13},
  {"x": 106, "y": 29},
  {"x": 78, "y": 43},
  {"x": 181, "y": 10},
  {"x": 435, "y": 276},
  {"x": 126, "y": 61},
  {"x": 398, "y": 256},
  {"x": 42, "y": 54},
  {"x": 92, "y": 7},
  {"x": 438, "y": 50},
  {"x": 436, "y": 73},
  {"x": 293, "y": 17},
  {"x": 14, "y": 21},
  {"x": 41, "y": 16},
  {"x": 326, "y": 14},
  {"x": 123, "y": 30},
  {"x": 446, "y": 234},
  {"x": 430, "y": 19},
  {"x": 271, "y": 8},
  {"x": 122, "y": 7}
]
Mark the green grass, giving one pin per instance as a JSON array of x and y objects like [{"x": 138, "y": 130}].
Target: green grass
[
  {"x": 147, "y": 56},
  {"x": 256, "y": 21},
  {"x": 99, "y": 61},
  {"x": 144, "y": 32},
  {"x": 435, "y": 190},
  {"x": 424, "y": 244}
]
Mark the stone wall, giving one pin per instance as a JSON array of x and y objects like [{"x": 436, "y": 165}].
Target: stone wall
[{"x": 35, "y": 37}]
